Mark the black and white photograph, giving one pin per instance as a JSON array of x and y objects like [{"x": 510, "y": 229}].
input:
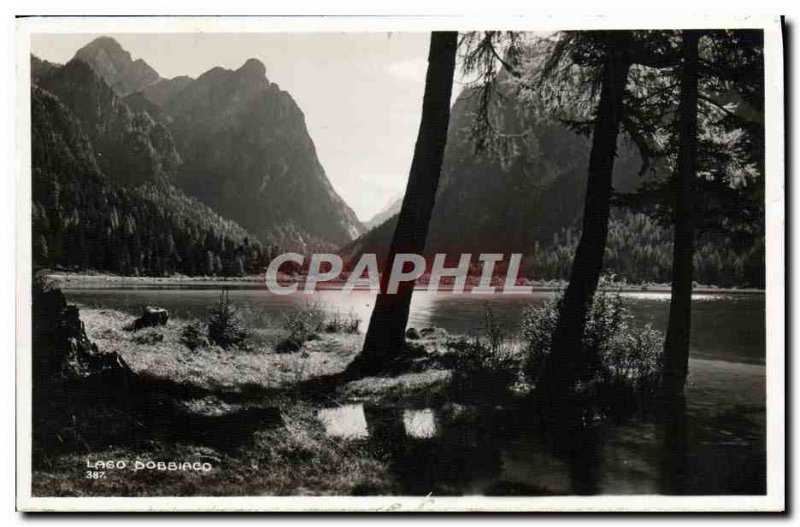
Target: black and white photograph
[{"x": 400, "y": 264}]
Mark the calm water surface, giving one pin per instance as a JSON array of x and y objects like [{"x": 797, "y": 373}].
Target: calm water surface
[{"x": 717, "y": 446}]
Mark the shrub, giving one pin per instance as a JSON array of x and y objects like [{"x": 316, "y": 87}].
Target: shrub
[
  {"x": 623, "y": 356},
  {"x": 343, "y": 324},
  {"x": 487, "y": 361},
  {"x": 352, "y": 324},
  {"x": 305, "y": 323},
  {"x": 633, "y": 358},
  {"x": 223, "y": 324},
  {"x": 193, "y": 336},
  {"x": 538, "y": 324}
]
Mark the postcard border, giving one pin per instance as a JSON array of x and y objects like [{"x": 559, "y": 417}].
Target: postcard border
[{"x": 774, "y": 500}]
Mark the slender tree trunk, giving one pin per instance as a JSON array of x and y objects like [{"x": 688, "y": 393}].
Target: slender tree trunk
[
  {"x": 676, "y": 345},
  {"x": 566, "y": 362},
  {"x": 385, "y": 339}
]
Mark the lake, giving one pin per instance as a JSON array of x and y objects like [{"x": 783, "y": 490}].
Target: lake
[
  {"x": 725, "y": 326},
  {"x": 717, "y": 446}
]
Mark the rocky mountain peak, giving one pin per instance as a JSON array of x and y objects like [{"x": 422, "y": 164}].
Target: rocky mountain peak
[
  {"x": 253, "y": 68},
  {"x": 114, "y": 64}
]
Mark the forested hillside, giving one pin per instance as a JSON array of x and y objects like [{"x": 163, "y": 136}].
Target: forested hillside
[
  {"x": 528, "y": 198},
  {"x": 83, "y": 219},
  {"x": 130, "y": 147},
  {"x": 639, "y": 249}
]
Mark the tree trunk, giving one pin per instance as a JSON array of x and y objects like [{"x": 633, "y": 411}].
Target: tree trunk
[
  {"x": 567, "y": 361},
  {"x": 385, "y": 339},
  {"x": 676, "y": 345}
]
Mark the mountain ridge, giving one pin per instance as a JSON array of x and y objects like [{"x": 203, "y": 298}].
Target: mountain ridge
[
  {"x": 245, "y": 148},
  {"x": 115, "y": 65}
]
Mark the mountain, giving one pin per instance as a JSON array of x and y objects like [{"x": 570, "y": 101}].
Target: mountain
[
  {"x": 391, "y": 209},
  {"x": 113, "y": 64},
  {"x": 248, "y": 154},
  {"x": 243, "y": 143},
  {"x": 40, "y": 68},
  {"x": 530, "y": 201},
  {"x": 84, "y": 219},
  {"x": 131, "y": 147},
  {"x": 505, "y": 204},
  {"x": 165, "y": 89}
]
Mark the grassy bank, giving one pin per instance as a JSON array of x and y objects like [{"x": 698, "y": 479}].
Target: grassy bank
[
  {"x": 215, "y": 386},
  {"x": 159, "y": 354},
  {"x": 247, "y": 402},
  {"x": 295, "y": 458}
]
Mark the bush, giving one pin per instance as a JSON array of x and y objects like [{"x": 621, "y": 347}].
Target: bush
[
  {"x": 488, "y": 361},
  {"x": 343, "y": 324},
  {"x": 223, "y": 324},
  {"x": 308, "y": 322},
  {"x": 305, "y": 323},
  {"x": 193, "y": 336},
  {"x": 623, "y": 356},
  {"x": 537, "y": 328}
]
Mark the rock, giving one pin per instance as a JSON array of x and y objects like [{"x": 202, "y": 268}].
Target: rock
[
  {"x": 412, "y": 334},
  {"x": 151, "y": 317},
  {"x": 416, "y": 350},
  {"x": 74, "y": 384},
  {"x": 288, "y": 346}
]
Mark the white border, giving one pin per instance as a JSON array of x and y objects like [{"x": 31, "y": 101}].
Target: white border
[{"x": 775, "y": 216}]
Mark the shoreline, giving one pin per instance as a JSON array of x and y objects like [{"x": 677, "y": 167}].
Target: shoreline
[{"x": 69, "y": 280}]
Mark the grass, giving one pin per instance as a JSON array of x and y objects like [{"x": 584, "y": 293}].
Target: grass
[
  {"x": 295, "y": 459},
  {"x": 212, "y": 367},
  {"x": 291, "y": 457},
  {"x": 427, "y": 387}
]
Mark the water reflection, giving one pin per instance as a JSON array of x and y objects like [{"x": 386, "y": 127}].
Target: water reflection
[
  {"x": 420, "y": 424},
  {"x": 713, "y": 445},
  {"x": 346, "y": 422}
]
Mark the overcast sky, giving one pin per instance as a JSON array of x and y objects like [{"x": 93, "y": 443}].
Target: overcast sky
[{"x": 361, "y": 93}]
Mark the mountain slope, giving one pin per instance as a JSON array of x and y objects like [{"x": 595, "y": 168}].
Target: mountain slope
[
  {"x": 248, "y": 155},
  {"x": 111, "y": 62},
  {"x": 531, "y": 203},
  {"x": 487, "y": 204},
  {"x": 391, "y": 209},
  {"x": 244, "y": 146},
  {"x": 165, "y": 89},
  {"x": 83, "y": 219},
  {"x": 131, "y": 147}
]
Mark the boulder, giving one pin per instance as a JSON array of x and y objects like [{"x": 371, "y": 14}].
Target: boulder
[
  {"x": 412, "y": 334},
  {"x": 151, "y": 317}
]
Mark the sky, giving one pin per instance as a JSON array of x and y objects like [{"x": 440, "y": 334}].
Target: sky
[{"x": 361, "y": 93}]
